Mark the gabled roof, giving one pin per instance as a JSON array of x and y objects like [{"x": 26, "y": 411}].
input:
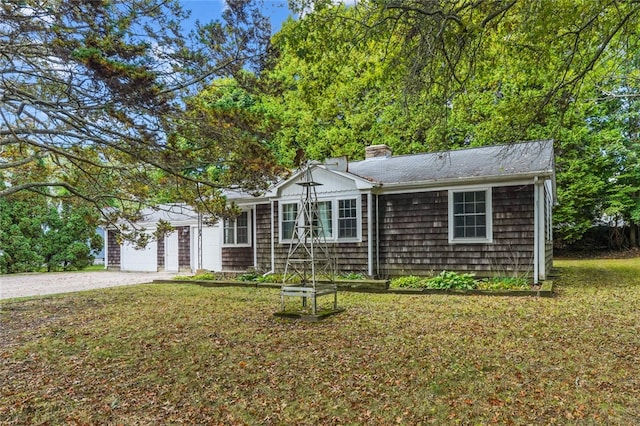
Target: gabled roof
[
  {"x": 520, "y": 159},
  {"x": 172, "y": 213},
  {"x": 322, "y": 173},
  {"x": 503, "y": 163}
]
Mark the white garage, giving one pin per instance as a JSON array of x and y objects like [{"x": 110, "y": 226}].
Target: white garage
[
  {"x": 140, "y": 260},
  {"x": 177, "y": 251}
]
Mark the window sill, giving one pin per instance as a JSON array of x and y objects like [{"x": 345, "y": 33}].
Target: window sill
[
  {"x": 471, "y": 241},
  {"x": 329, "y": 241}
]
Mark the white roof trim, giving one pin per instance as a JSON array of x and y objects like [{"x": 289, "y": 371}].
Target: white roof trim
[
  {"x": 360, "y": 183},
  {"x": 472, "y": 180}
]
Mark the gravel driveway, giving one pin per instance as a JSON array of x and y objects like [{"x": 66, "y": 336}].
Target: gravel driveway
[{"x": 22, "y": 285}]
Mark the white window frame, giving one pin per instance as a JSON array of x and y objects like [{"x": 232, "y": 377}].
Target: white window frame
[
  {"x": 333, "y": 238},
  {"x": 234, "y": 221},
  {"x": 357, "y": 218},
  {"x": 548, "y": 210},
  {"x": 280, "y": 217},
  {"x": 329, "y": 234},
  {"x": 488, "y": 217}
]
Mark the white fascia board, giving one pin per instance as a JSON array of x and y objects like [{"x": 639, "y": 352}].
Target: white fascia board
[
  {"x": 252, "y": 203},
  {"x": 175, "y": 223},
  {"x": 249, "y": 202},
  {"x": 360, "y": 183},
  {"x": 436, "y": 185}
]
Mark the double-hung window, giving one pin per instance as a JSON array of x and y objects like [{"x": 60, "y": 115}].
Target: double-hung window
[
  {"x": 236, "y": 230},
  {"x": 347, "y": 219},
  {"x": 470, "y": 216},
  {"x": 335, "y": 220},
  {"x": 288, "y": 221},
  {"x": 323, "y": 220}
]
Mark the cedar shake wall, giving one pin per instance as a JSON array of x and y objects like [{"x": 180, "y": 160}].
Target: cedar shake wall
[
  {"x": 160, "y": 254},
  {"x": 281, "y": 250},
  {"x": 352, "y": 257},
  {"x": 513, "y": 230},
  {"x": 184, "y": 248},
  {"x": 113, "y": 251},
  {"x": 548, "y": 257},
  {"x": 414, "y": 235},
  {"x": 239, "y": 258},
  {"x": 263, "y": 238},
  {"x": 548, "y": 244}
]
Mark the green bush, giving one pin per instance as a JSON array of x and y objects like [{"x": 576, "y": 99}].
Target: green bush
[
  {"x": 352, "y": 276},
  {"x": 452, "y": 280},
  {"x": 445, "y": 280},
  {"x": 205, "y": 276},
  {"x": 249, "y": 276},
  {"x": 410, "y": 281}
]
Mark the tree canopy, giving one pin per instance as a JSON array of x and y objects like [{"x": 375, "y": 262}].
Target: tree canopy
[
  {"x": 429, "y": 75},
  {"x": 92, "y": 97},
  {"x": 36, "y": 233},
  {"x": 111, "y": 103}
]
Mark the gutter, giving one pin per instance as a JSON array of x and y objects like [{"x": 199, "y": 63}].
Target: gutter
[
  {"x": 536, "y": 236},
  {"x": 377, "y": 235},
  {"x": 106, "y": 248},
  {"x": 370, "y": 233},
  {"x": 273, "y": 248},
  {"x": 434, "y": 183},
  {"x": 255, "y": 237}
]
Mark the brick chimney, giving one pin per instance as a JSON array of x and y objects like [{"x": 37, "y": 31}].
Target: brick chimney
[{"x": 374, "y": 151}]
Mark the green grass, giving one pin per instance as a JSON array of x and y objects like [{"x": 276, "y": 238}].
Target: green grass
[{"x": 185, "y": 354}]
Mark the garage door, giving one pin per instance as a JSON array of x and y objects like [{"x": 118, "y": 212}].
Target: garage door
[{"x": 143, "y": 260}]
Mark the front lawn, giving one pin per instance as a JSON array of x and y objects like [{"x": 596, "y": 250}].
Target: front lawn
[{"x": 185, "y": 354}]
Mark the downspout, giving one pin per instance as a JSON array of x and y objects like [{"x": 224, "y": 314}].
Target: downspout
[
  {"x": 536, "y": 236},
  {"x": 377, "y": 236},
  {"x": 273, "y": 260},
  {"x": 370, "y": 234},
  {"x": 542, "y": 249},
  {"x": 255, "y": 238},
  {"x": 106, "y": 248}
]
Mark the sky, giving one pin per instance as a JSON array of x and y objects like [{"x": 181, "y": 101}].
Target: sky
[{"x": 208, "y": 10}]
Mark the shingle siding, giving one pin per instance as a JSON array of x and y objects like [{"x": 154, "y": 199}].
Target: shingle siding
[
  {"x": 263, "y": 237},
  {"x": 353, "y": 257},
  {"x": 414, "y": 235},
  {"x": 184, "y": 248},
  {"x": 548, "y": 257},
  {"x": 414, "y": 239},
  {"x": 239, "y": 258},
  {"x": 113, "y": 251},
  {"x": 160, "y": 254}
]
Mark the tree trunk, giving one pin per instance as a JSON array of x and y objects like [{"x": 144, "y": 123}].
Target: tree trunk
[{"x": 633, "y": 234}]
